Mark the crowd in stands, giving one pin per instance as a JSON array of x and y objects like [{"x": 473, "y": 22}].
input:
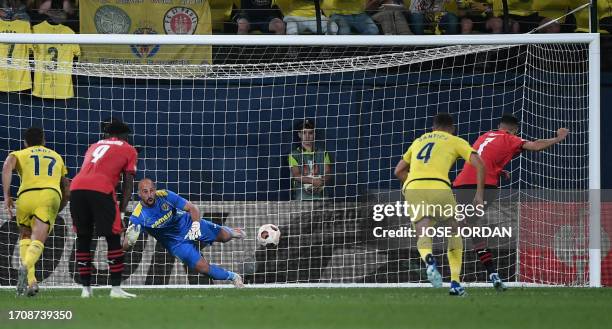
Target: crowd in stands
[
  {"x": 371, "y": 17},
  {"x": 36, "y": 11},
  {"x": 367, "y": 17}
]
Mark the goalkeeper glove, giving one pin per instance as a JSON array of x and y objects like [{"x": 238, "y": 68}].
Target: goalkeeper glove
[
  {"x": 132, "y": 233},
  {"x": 194, "y": 232}
]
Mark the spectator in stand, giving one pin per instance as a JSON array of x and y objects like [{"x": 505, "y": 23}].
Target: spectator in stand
[
  {"x": 551, "y": 10},
  {"x": 221, "y": 15},
  {"x": 259, "y": 15},
  {"x": 528, "y": 15},
  {"x": 56, "y": 7},
  {"x": 604, "y": 11},
  {"x": 300, "y": 17},
  {"x": 435, "y": 13},
  {"x": 14, "y": 9},
  {"x": 477, "y": 16},
  {"x": 389, "y": 14},
  {"x": 349, "y": 15},
  {"x": 56, "y": 11}
]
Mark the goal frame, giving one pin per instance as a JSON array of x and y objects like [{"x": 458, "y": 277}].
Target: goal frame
[{"x": 592, "y": 39}]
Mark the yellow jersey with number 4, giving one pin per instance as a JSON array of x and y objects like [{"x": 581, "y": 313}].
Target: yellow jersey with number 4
[
  {"x": 39, "y": 168},
  {"x": 14, "y": 72},
  {"x": 53, "y": 76},
  {"x": 431, "y": 156}
]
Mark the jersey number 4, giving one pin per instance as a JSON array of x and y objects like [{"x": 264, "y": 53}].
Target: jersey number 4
[{"x": 425, "y": 152}]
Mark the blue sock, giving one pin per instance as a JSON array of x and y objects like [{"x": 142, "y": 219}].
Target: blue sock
[
  {"x": 430, "y": 260},
  {"x": 219, "y": 273}
]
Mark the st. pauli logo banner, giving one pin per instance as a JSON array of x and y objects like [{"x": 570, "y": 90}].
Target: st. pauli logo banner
[{"x": 180, "y": 17}]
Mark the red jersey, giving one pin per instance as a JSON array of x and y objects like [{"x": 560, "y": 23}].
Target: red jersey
[
  {"x": 496, "y": 149},
  {"x": 104, "y": 162}
]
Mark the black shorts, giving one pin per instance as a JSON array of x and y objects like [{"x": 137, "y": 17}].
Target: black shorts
[
  {"x": 527, "y": 23},
  {"x": 464, "y": 194},
  {"x": 479, "y": 23},
  {"x": 91, "y": 209}
]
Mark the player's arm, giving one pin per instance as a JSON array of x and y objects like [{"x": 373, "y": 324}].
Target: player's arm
[
  {"x": 126, "y": 191},
  {"x": 194, "y": 232},
  {"x": 296, "y": 174},
  {"x": 401, "y": 171},
  {"x": 323, "y": 180},
  {"x": 7, "y": 176},
  {"x": 476, "y": 161},
  {"x": 542, "y": 144},
  {"x": 65, "y": 186},
  {"x": 403, "y": 166},
  {"x": 193, "y": 211}
]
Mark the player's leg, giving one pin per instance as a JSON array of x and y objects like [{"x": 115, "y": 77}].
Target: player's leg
[
  {"x": 40, "y": 232},
  {"x": 24, "y": 212},
  {"x": 443, "y": 197},
  {"x": 454, "y": 253},
  {"x": 425, "y": 248},
  {"x": 41, "y": 208},
  {"x": 25, "y": 234},
  {"x": 44, "y": 218},
  {"x": 419, "y": 195},
  {"x": 190, "y": 256},
  {"x": 218, "y": 233},
  {"x": 107, "y": 219},
  {"x": 481, "y": 245},
  {"x": 82, "y": 219},
  {"x": 465, "y": 195}
]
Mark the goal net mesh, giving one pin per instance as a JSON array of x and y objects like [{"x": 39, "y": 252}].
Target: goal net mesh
[{"x": 220, "y": 135}]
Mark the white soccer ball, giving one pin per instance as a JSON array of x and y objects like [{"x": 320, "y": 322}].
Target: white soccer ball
[{"x": 268, "y": 234}]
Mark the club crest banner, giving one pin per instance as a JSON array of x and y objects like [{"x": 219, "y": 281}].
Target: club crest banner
[{"x": 145, "y": 17}]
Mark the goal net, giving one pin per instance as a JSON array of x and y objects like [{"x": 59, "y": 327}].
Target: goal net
[{"x": 221, "y": 134}]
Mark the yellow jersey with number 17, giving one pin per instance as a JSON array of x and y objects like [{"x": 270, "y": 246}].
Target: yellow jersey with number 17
[
  {"x": 39, "y": 168},
  {"x": 14, "y": 70},
  {"x": 53, "y": 76},
  {"x": 431, "y": 156}
]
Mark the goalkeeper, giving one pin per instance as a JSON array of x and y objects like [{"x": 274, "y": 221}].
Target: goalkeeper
[{"x": 176, "y": 224}]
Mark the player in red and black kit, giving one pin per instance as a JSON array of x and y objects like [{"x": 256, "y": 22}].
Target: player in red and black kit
[
  {"x": 496, "y": 149},
  {"x": 93, "y": 202}
]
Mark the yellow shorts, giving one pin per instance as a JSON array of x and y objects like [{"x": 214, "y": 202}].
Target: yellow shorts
[
  {"x": 429, "y": 198},
  {"x": 44, "y": 204}
]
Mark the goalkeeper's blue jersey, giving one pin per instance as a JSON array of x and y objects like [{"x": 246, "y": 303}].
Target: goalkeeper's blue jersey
[{"x": 165, "y": 220}]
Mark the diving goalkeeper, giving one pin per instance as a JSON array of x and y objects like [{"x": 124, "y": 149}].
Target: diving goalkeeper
[{"x": 176, "y": 224}]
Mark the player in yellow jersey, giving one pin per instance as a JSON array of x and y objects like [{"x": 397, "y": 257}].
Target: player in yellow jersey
[
  {"x": 423, "y": 171},
  {"x": 42, "y": 194}
]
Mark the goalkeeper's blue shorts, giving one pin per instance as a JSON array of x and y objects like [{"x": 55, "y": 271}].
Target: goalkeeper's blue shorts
[{"x": 187, "y": 250}]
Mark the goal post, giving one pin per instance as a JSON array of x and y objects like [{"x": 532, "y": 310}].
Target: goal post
[{"x": 236, "y": 119}]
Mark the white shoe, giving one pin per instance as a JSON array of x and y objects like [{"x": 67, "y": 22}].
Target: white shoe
[
  {"x": 87, "y": 292},
  {"x": 237, "y": 281},
  {"x": 117, "y": 292},
  {"x": 22, "y": 280}
]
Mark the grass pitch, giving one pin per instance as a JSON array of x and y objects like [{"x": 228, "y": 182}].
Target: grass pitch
[{"x": 318, "y": 308}]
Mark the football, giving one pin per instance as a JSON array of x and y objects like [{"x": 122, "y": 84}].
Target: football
[{"x": 268, "y": 234}]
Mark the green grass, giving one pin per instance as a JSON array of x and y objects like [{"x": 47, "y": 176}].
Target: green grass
[{"x": 383, "y": 308}]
